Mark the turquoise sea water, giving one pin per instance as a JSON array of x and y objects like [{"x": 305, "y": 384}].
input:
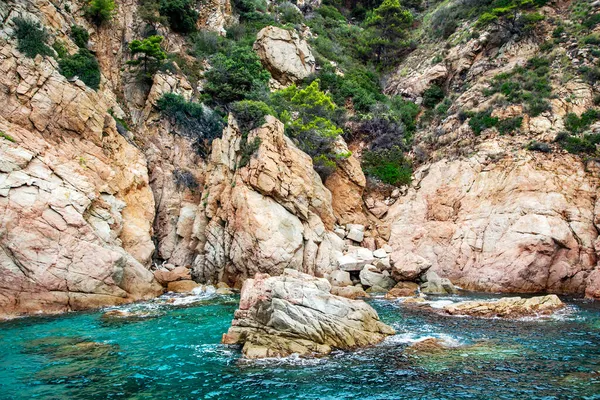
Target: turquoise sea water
[{"x": 174, "y": 353}]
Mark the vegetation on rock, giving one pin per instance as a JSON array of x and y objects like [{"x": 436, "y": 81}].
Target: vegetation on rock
[
  {"x": 32, "y": 39},
  {"x": 83, "y": 65},
  {"x": 100, "y": 11},
  {"x": 191, "y": 119}
]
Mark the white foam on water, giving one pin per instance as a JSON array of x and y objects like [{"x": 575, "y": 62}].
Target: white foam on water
[
  {"x": 439, "y": 304},
  {"x": 197, "y": 294},
  {"x": 293, "y": 359},
  {"x": 414, "y": 337}
]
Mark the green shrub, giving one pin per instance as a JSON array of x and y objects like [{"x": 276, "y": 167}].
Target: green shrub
[
  {"x": 82, "y": 64},
  {"x": 193, "y": 120},
  {"x": 180, "y": 14},
  {"x": 593, "y": 39},
  {"x": 482, "y": 121},
  {"x": 250, "y": 114},
  {"x": 236, "y": 76},
  {"x": 516, "y": 16},
  {"x": 100, "y": 11},
  {"x": 591, "y": 21},
  {"x": 60, "y": 48},
  {"x": 578, "y": 145},
  {"x": 289, "y": 14},
  {"x": 6, "y": 136},
  {"x": 432, "y": 96},
  {"x": 247, "y": 150},
  {"x": 31, "y": 38},
  {"x": 509, "y": 125},
  {"x": 330, "y": 12},
  {"x": 389, "y": 166},
  {"x": 539, "y": 146},
  {"x": 308, "y": 115},
  {"x": 80, "y": 36},
  {"x": 590, "y": 74},
  {"x": 529, "y": 85},
  {"x": 576, "y": 124},
  {"x": 206, "y": 43}
]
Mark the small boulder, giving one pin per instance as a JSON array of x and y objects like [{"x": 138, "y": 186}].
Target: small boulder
[
  {"x": 403, "y": 289},
  {"x": 380, "y": 253},
  {"x": 340, "y": 278},
  {"x": 349, "y": 292},
  {"x": 434, "y": 284},
  {"x": 182, "y": 286},
  {"x": 408, "y": 266},
  {"x": 369, "y": 276},
  {"x": 164, "y": 276}
]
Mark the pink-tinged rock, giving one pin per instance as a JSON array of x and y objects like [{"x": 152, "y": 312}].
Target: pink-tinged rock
[
  {"x": 296, "y": 313},
  {"x": 164, "y": 276}
]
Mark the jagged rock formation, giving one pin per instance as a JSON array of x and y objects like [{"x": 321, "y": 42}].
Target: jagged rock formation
[
  {"x": 272, "y": 214},
  {"x": 295, "y": 313},
  {"x": 518, "y": 223},
  {"x": 76, "y": 207},
  {"x": 287, "y": 57}
]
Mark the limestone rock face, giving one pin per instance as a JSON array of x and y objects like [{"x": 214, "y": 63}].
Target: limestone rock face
[
  {"x": 295, "y": 313},
  {"x": 523, "y": 223},
  {"x": 508, "y": 307},
  {"x": 76, "y": 208},
  {"x": 287, "y": 57},
  {"x": 271, "y": 214}
]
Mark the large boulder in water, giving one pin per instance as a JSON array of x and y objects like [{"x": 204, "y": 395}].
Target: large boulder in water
[
  {"x": 296, "y": 313},
  {"x": 508, "y": 307}
]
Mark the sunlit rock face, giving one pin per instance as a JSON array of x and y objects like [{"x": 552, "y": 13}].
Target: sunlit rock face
[
  {"x": 295, "y": 313},
  {"x": 522, "y": 223},
  {"x": 270, "y": 214}
]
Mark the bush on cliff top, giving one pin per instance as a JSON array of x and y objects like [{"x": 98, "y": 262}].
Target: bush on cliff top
[{"x": 192, "y": 120}]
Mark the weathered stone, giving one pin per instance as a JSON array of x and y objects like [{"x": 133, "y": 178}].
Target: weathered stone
[
  {"x": 370, "y": 277},
  {"x": 434, "y": 284},
  {"x": 182, "y": 286},
  {"x": 295, "y": 313},
  {"x": 340, "y": 278},
  {"x": 287, "y": 57},
  {"x": 380, "y": 253},
  {"x": 349, "y": 292},
  {"x": 403, "y": 289},
  {"x": 408, "y": 266},
  {"x": 508, "y": 307},
  {"x": 164, "y": 276},
  {"x": 355, "y": 235}
]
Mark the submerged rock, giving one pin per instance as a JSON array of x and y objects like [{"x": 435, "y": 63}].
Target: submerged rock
[
  {"x": 295, "y": 313},
  {"x": 508, "y": 307}
]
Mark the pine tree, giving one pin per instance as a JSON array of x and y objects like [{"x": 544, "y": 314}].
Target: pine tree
[
  {"x": 387, "y": 28},
  {"x": 152, "y": 53}
]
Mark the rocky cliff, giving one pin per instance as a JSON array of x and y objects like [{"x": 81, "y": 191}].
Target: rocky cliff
[{"x": 98, "y": 188}]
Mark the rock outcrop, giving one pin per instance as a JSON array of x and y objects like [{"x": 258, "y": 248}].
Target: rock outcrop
[
  {"x": 295, "y": 313},
  {"x": 76, "y": 208},
  {"x": 524, "y": 222},
  {"x": 508, "y": 307},
  {"x": 271, "y": 214},
  {"x": 284, "y": 54}
]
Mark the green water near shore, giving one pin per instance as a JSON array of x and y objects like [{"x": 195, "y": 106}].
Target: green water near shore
[{"x": 173, "y": 352}]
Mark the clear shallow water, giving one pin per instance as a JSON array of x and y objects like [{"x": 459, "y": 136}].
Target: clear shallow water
[{"x": 174, "y": 352}]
